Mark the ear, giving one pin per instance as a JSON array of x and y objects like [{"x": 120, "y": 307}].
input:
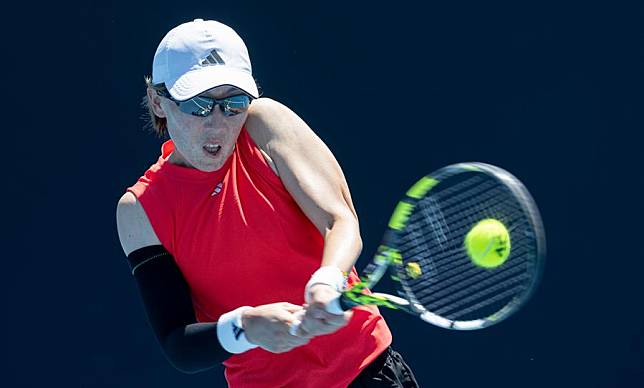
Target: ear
[{"x": 155, "y": 102}]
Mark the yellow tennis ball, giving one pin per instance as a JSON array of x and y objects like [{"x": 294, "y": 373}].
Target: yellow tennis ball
[
  {"x": 413, "y": 270},
  {"x": 488, "y": 243}
]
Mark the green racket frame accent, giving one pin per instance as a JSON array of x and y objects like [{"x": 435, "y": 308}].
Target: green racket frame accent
[
  {"x": 420, "y": 188},
  {"x": 356, "y": 297},
  {"x": 401, "y": 215},
  {"x": 387, "y": 256},
  {"x": 404, "y": 207}
]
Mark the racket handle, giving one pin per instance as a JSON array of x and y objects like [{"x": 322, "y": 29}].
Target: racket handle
[{"x": 336, "y": 306}]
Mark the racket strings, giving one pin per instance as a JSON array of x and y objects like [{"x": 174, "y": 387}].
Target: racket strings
[
  {"x": 460, "y": 218},
  {"x": 417, "y": 247},
  {"x": 506, "y": 294},
  {"x": 423, "y": 219},
  {"x": 451, "y": 285},
  {"x": 472, "y": 285},
  {"x": 457, "y": 276},
  {"x": 422, "y": 224},
  {"x": 442, "y": 255},
  {"x": 465, "y": 279},
  {"x": 429, "y": 215}
]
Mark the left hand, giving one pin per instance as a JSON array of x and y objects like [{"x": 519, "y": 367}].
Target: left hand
[{"x": 317, "y": 320}]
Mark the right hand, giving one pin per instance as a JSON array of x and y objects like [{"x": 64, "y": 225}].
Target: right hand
[
  {"x": 268, "y": 326},
  {"x": 318, "y": 320}
]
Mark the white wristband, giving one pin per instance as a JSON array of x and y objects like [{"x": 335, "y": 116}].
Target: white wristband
[
  {"x": 329, "y": 275},
  {"x": 230, "y": 332}
]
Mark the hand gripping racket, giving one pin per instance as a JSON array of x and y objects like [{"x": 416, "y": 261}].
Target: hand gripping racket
[{"x": 424, "y": 250}]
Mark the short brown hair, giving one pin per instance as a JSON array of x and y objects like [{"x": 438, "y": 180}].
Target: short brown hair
[{"x": 154, "y": 123}]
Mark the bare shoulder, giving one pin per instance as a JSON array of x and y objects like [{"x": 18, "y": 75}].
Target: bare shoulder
[
  {"x": 272, "y": 125},
  {"x": 282, "y": 133},
  {"x": 134, "y": 228},
  {"x": 269, "y": 120},
  {"x": 266, "y": 109}
]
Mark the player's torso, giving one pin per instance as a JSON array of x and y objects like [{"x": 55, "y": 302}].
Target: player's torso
[{"x": 241, "y": 237}]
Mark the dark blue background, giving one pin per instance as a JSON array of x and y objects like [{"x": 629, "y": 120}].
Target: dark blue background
[{"x": 552, "y": 93}]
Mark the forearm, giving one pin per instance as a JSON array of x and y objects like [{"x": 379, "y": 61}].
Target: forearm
[
  {"x": 325, "y": 314},
  {"x": 342, "y": 244},
  {"x": 190, "y": 347},
  {"x": 194, "y": 348}
]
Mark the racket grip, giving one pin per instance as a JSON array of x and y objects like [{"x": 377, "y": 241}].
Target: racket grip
[{"x": 336, "y": 306}]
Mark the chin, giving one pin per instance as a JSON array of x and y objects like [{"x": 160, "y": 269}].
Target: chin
[{"x": 209, "y": 167}]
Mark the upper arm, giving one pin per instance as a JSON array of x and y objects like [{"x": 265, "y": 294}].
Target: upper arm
[
  {"x": 305, "y": 164},
  {"x": 134, "y": 228}
]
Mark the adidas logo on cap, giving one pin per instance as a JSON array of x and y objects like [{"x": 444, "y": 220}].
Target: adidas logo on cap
[{"x": 212, "y": 59}]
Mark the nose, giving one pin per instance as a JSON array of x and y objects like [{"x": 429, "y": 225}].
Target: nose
[
  {"x": 217, "y": 122},
  {"x": 215, "y": 116}
]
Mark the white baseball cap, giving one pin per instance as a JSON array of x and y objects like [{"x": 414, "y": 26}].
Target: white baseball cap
[{"x": 200, "y": 55}]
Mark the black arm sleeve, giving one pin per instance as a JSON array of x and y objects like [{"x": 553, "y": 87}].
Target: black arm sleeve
[{"x": 189, "y": 346}]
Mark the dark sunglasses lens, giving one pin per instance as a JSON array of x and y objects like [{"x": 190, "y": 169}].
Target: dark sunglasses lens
[
  {"x": 198, "y": 106},
  {"x": 234, "y": 105}
]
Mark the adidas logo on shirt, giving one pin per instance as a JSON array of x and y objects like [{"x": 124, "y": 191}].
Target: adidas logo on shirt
[{"x": 217, "y": 189}]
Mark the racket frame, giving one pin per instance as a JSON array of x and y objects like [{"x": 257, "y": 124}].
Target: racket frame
[{"x": 388, "y": 258}]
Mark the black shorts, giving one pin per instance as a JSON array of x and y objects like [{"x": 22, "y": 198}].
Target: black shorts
[{"x": 387, "y": 370}]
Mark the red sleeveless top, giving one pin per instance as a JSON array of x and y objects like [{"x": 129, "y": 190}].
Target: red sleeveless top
[{"x": 239, "y": 239}]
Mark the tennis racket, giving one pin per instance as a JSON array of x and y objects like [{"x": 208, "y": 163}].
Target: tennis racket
[{"x": 424, "y": 250}]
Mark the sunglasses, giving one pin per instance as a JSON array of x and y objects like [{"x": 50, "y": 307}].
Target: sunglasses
[{"x": 203, "y": 106}]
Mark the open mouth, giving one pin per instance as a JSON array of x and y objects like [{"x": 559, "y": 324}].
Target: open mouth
[{"x": 212, "y": 149}]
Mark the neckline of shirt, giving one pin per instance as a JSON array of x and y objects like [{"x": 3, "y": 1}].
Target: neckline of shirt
[{"x": 191, "y": 174}]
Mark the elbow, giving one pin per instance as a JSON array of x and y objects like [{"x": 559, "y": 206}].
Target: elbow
[
  {"x": 180, "y": 358},
  {"x": 188, "y": 371},
  {"x": 359, "y": 242},
  {"x": 177, "y": 362},
  {"x": 348, "y": 225},
  {"x": 182, "y": 365},
  {"x": 356, "y": 232},
  {"x": 184, "y": 370}
]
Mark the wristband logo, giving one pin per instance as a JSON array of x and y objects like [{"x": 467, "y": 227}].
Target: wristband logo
[{"x": 237, "y": 331}]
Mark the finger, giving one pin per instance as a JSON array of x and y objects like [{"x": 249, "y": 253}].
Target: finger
[
  {"x": 319, "y": 327},
  {"x": 296, "y": 328},
  {"x": 333, "y": 319},
  {"x": 314, "y": 326},
  {"x": 308, "y": 326},
  {"x": 334, "y": 322},
  {"x": 303, "y": 333},
  {"x": 298, "y": 316},
  {"x": 318, "y": 311},
  {"x": 292, "y": 308},
  {"x": 295, "y": 341},
  {"x": 326, "y": 309}
]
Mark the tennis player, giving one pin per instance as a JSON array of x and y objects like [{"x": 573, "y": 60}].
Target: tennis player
[{"x": 243, "y": 227}]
